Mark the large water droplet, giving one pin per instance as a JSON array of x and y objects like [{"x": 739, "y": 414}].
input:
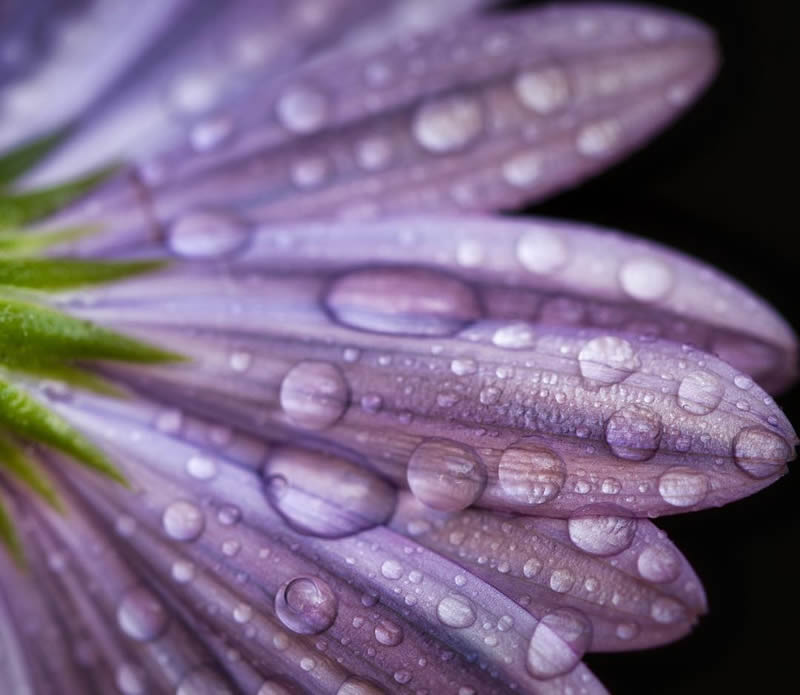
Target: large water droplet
[
  {"x": 659, "y": 563},
  {"x": 683, "y": 487},
  {"x": 515, "y": 336},
  {"x": 183, "y": 521},
  {"x": 203, "y": 681},
  {"x": 759, "y": 452},
  {"x": 607, "y": 360},
  {"x": 141, "y": 615},
  {"x": 558, "y": 643},
  {"x": 542, "y": 250},
  {"x": 302, "y": 109},
  {"x": 634, "y": 432},
  {"x": 314, "y": 395},
  {"x": 448, "y": 123},
  {"x": 699, "y": 392},
  {"x": 530, "y": 473},
  {"x": 409, "y": 301},
  {"x": 446, "y": 475},
  {"x": 543, "y": 91},
  {"x": 456, "y": 610},
  {"x": 388, "y": 633},
  {"x": 206, "y": 235},
  {"x": 306, "y": 605},
  {"x": 646, "y": 279},
  {"x": 601, "y": 534},
  {"x": 325, "y": 495}
]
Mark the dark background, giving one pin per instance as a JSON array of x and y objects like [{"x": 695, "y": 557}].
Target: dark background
[{"x": 720, "y": 186}]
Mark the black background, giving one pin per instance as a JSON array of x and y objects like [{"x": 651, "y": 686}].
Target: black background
[{"x": 719, "y": 186}]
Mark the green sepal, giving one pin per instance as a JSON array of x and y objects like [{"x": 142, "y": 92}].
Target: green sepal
[
  {"x": 52, "y": 274},
  {"x": 17, "y": 464},
  {"x": 16, "y": 162},
  {"x": 19, "y": 209},
  {"x": 75, "y": 376},
  {"x": 9, "y": 537},
  {"x": 16, "y": 243},
  {"x": 26, "y": 417},
  {"x": 33, "y": 335}
]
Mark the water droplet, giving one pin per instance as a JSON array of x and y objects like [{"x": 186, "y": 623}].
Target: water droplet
[
  {"x": 306, "y": 605},
  {"x": 610, "y": 486},
  {"x": 469, "y": 253},
  {"x": 562, "y": 580},
  {"x": 659, "y": 563},
  {"x": 743, "y": 382},
  {"x": 667, "y": 610},
  {"x": 646, "y": 279},
  {"x": 634, "y": 432},
  {"x": 532, "y": 567},
  {"x": 141, "y": 615},
  {"x": 523, "y": 170},
  {"x": 683, "y": 487},
  {"x": 229, "y": 515},
  {"x": 402, "y": 677},
  {"x": 203, "y": 681},
  {"x": 530, "y": 473},
  {"x": 309, "y": 172},
  {"x": 599, "y": 534},
  {"x": 130, "y": 680},
  {"x": 542, "y": 250},
  {"x": 543, "y": 91},
  {"x": 183, "y": 521},
  {"x": 514, "y": 336},
  {"x": 242, "y": 613},
  {"x": 201, "y": 467},
  {"x": 125, "y": 526},
  {"x": 392, "y": 569},
  {"x": 325, "y": 495},
  {"x": 406, "y": 301},
  {"x": 169, "y": 421},
  {"x": 206, "y": 235},
  {"x": 302, "y": 109},
  {"x": 627, "y": 631},
  {"x": 240, "y": 361},
  {"x": 314, "y": 395},
  {"x": 456, "y": 611},
  {"x": 358, "y": 686},
  {"x": 371, "y": 402},
  {"x": 445, "y": 475},
  {"x": 374, "y": 153},
  {"x": 183, "y": 571},
  {"x": 463, "y": 367},
  {"x": 759, "y": 452},
  {"x": 607, "y": 360},
  {"x": 699, "y": 392},
  {"x": 598, "y": 139},
  {"x": 558, "y": 643},
  {"x": 388, "y": 634},
  {"x": 275, "y": 687},
  {"x": 448, "y": 123},
  {"x": 209, "y": 134}
]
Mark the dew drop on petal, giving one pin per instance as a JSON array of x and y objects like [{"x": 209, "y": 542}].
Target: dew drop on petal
[
  {"x": 456, "y": 611},
  {"x": 542, "y": 250},
  {"x": 514, "y": 336},
  {"x": 314, "y": 395},
  {"x": 634, "y": 432},
  {"x": 602, "y": 535},
  {"x": 211, "y": 133},
  {"x": 388, "y": 633},
  {"x": 302, "y": 109},
  {"x": 646, "y": 279},
  {"x": 374, "y": 153},
  {"x": 448, "y": 123},
  {"x": 531, "y": 474},
  {"x": 275, "y": 687},
  {"x": 542, "y": 91},
  {"x": 523, "y": 170},
  {"x": 130, "y": 680},
  {"x": 183, "y": 521},
  {"x": 627, "y": 631},
  {"x": 558, "y": 643},
  {"x": 201, "y": 467},
  {"x": 358, "y": 686},
  {"x": 203, "y": 681},
  {"x": 683, "y": 487},
  {"x": 206, "y": 235},
  {"x": 700, "y": 392},
  {"x": 667, "y": 610},
  {"x": 759, "y": 452},
  {"x": 598, "y": 139},
  {"x": 306, "y": 605},
  {"x": 562, "y": 580},
  {"x": 607, "y": 360},
  {"x": 392, "y": 569},
  {"x": 141, "y": 615},
  {"x": 446, "y": 475},
  {"x": 659, "y": 563}
]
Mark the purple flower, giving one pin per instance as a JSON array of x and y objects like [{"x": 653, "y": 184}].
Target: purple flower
[{"x": 412, "y": 447}]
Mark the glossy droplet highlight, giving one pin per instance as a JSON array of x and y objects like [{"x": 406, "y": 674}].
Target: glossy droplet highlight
[
  {"x": 302, "y": 109},
  {"x": 646, "y": 279},
  {"x": 523, "y": 170},
  {"x": 598, "y": 139},
  {"x": 456, "y": 611},
  {"x": 700, "y": 392},
  {"x": 445, "y": 475},
  {"x": 558, "y": 643},
  {"x": 659, "y": 563},
  {"x": 206, "y": 235},
  {"x": 306, "y": 605},
  {"x": 542, "y": 91},
  {"x": 403, "y": 301},
  {"x": 141, "y": 615},
  {"x": 314, "y": 395},
  {"x": 531, "y": 474},
  {"x": 448, "y": 123},
  {"x": 358, "y": 686},
  {"x": 759, "y": 452},
  {"x": 682, "y": 487},
  {"x": 388, "y": 633},
  {"x": 183, "y": 521},
  {"x": 601, "y": 535},
  {"x": 203, "y": 681},
  {"x": 542, "y": 250},
  {"x": 634, "y": 432},
  {"x": 607, "y": 360},
  {"x": 325, "y": 495}
]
